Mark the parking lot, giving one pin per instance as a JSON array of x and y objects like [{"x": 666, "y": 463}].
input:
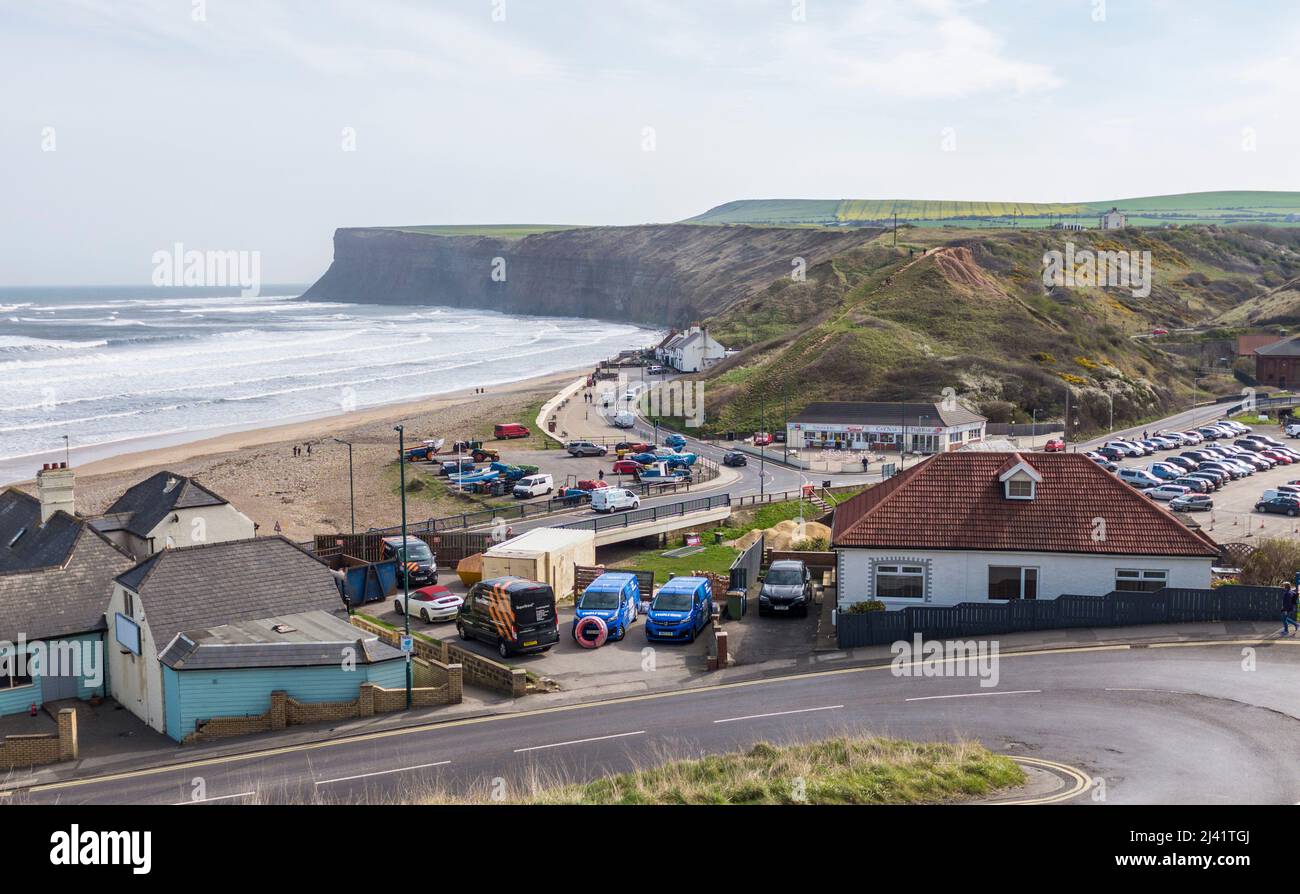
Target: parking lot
[{"x": 1233, "y": 517}]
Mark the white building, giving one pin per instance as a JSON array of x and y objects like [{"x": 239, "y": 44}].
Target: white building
[
  {"x": 691, "y": 350},
  {"x": 1114, "y": 219},
  {"x": 975, "y": 527},
  {"x": 169, "y": 510},
  {"x": 885, "y": 427}
]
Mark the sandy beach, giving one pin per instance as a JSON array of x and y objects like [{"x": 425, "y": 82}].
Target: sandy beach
[{"x": 257, "y": 471}]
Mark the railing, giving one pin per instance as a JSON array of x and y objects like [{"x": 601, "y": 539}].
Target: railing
[
  {"x": 652, "y": 514},
  {"x": 744, "y": 571},
  {"x": 1167, "y": 606}
]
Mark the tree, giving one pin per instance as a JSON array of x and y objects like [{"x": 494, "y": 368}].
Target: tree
[{"x": 1273, "y": 563}]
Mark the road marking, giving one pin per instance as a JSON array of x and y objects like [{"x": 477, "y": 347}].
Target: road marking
[
  {"x": 534, "y": 712},
  {"x": 930, "y": 698},
  {"x": 218, "y": 798},
  {"x": 778, "y": 714},
  {"x": 639, "y": 732},
  {"x": 381, "y": 772}
]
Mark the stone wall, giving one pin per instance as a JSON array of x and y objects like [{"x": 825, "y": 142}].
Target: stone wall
[{"x": 42, "y": 748}]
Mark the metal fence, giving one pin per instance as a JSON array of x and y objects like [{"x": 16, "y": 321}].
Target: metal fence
[
  {"x": 744, "y": 571},
  {"x": 654, "y": 513},
  {"x": 1167, "y": 606}
]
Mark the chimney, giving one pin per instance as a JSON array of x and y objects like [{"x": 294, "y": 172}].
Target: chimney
[{"x": 54, "y": 485}]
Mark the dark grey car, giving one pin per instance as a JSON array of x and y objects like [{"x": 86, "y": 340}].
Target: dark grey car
[
  {"x": 787, "y": 588},
  {"x": 585, "y": 448}
]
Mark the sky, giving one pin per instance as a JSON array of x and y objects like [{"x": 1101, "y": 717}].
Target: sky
[{"x": 264, "y": 125}]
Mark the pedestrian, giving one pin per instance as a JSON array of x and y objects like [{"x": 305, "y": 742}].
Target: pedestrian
[
  {"x": 309, "y": 448},
  {"x": 600, "y": 474},
  {"x": 1288, "y": 609},
  {"x": 277, "y": 526}
]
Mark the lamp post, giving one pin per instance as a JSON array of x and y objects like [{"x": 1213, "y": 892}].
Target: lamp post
[
  {"x": 1112, "y": 412},
  {"x": 1033, "y": 426},
  {"x": 762, "y": 448},
  {"x": 406, "y": 576},
  {"x": 352, "y": 494}
]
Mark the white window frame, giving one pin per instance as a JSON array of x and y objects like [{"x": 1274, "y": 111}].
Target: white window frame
[
  {"x": 1011, "y": 495},
  {"x": 1038, "y": 581},
  {"x": 1140, "y": 576},
  {"x": 898, "y": 569}
]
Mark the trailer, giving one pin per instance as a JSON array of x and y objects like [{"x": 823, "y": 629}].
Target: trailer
[{"x": 360, "y": 581}]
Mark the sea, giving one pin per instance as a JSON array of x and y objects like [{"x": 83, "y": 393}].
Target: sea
[{"x": 89, "y": 372}]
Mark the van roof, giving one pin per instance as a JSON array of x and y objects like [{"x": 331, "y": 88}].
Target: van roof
[
  {"x": 615, "y": 580},
  {"x": 683, "y": 584}
]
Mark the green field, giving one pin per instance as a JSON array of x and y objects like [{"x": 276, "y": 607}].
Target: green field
[
  {"x": 1230, "y": 208},
  {"x": 500, "y": 231}
]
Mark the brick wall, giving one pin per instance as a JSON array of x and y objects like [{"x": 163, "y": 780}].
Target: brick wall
[{"x": 42, "y": 748}]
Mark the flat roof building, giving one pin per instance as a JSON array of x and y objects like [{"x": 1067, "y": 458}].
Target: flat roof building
[{"x": 883, "y": 427}]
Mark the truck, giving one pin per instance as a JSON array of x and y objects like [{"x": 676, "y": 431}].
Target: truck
[{"x": 543, "y": 554}]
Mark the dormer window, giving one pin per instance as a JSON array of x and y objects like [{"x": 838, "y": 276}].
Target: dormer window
[
  {"x": 1020, "y": 488},
  {"x": 1020, "y": 482}
]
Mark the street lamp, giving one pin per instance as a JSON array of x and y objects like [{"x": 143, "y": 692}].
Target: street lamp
[
  {"x": 1033, "y": 427},
  {"x": 1111, "y": 397},
  {"x": 352, "y": 494},
  {"x": 406, "y": 576}
]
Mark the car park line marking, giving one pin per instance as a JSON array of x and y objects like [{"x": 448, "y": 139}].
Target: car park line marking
[
  {"x": 778, "y": 714},
  {"x": 639, "y": 732},
  {"x": 930, "y": 698},
  {"x": 381, "y": 773},
  {"x": 218, "y": 798}
]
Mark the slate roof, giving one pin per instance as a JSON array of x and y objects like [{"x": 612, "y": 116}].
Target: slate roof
[
  {"x": 26, "y": 544},
  {"x": 143, "y": 506},
  {"x": 190, "y": 589},
  {"x": 954, "y": 501},
  {"x": 885, "y": 413},
  {"x": 309, "y": 639},
  {"x": 1286, "y": 348},
  {"x": 41, "y": 600}
]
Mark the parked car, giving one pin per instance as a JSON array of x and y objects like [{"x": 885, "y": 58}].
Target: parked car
[
  {"x": 1282, "y": 490},
  {"x": 585, "y": 448},
  {"x": 1177, "y": 437},
  {"x": 1192, "y": 437},
  {"x": 1191, "y": 502},
  {"x": 1293, "y": 429},
  {"x": 626, "y": 466},
  {"x": 1281, "y": 505},
  {"x": 1167, "y": 492},
  {"x": 433, "y": 603},
  {"x": 787, "y": 587},
  {"x": 1185, "y": 462},
  {"x": 1232, "y": 472},
  {"x": 1210, "y": 433},
  {"x": 1112, "y": 453},
  {"x": 1054, "y": 445},
  {"x": 514, "y": 614},
  {"x": 680, "y": 609},
  {"x": 735, "y": 458},
  {"x": 614, "y": 499},
  {"x": 506, "y": 430},
  {"x": 1165, "y": 471},
  {"x": 416, "y": 563},
  {"x": 1198, "y": 485},
  {"x": 615, "y": 598},
  {"x": 655, "y": 370},
  {"x": 533, "y": 486},
  {"x": 1277, "y": 455},
  {"x": 1138, "y": 478},
  {"x": 762, "y": 438}
]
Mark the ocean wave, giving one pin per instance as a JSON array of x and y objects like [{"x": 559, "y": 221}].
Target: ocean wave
[{"x": 25, "y": 343}]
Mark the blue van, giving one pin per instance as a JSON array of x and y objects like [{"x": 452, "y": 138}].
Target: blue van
[
  {"x": 680, "y": 609},
  {"x": 615, "y": 598}
]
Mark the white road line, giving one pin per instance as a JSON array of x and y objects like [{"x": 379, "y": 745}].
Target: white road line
[
  {"x": 777, "y": 714},
  {"x": 928, "y": 698},
  {"x": 639, "y": 732},
  {"x": 381, "y": 772},
  {"x": 218, "y": 798}
]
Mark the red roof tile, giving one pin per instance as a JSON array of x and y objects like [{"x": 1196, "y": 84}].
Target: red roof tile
[{"x": 955, "y": 501}]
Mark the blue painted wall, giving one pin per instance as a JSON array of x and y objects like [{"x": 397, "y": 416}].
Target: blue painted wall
[
  {"x": 17, "y": 701},
  {"x": 190, "y": 696}
]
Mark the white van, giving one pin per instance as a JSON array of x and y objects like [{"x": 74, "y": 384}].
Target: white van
[
  {"x": 622, "y": 420},
  {"x": 1282, "y": 490},
  {"x": 614, "y": 499},
  {"x": 533, "y": 486}
]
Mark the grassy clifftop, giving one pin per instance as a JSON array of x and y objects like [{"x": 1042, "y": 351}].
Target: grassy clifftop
[{"x": 968, "y": 310}]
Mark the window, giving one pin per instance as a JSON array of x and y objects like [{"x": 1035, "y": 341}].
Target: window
[
  {"x": 1009, "y": 582},
  {"x": 900, "y": 582},
  {"x": 955, "y": 437},
  {"x": 10, "y": 678},
  {"x": 1129, "y": 580},
  {"x": 1020, "y": 489}
]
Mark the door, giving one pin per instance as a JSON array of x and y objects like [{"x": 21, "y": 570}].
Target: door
[{"x": 60, "y": 686}]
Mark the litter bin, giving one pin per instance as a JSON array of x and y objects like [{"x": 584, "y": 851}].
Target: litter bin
[
  {"x": 737, "y": 602},
  {"x": 717, "y": 536}
]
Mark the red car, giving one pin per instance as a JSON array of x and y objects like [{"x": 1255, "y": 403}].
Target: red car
[
  {"x": 1159, "y": 331},
  {"x": 762, "y": 438},
  {"x": 1277, "y": 456},
  {"x": 1055, "y": 445},
  {"x": 626, "y": 467}
]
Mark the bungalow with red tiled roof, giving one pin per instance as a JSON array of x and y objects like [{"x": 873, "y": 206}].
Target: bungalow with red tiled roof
[{"x": 975, "y": 527}]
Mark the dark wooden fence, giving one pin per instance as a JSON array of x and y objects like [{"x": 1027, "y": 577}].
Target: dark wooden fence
[
  {"x": 583, "y": 575},
  {"x": 449, "y": 547},
  {"x": 1167, "y": 606}
]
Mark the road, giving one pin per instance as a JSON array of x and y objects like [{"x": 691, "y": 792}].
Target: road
[{"x": 1191, "y": 723}]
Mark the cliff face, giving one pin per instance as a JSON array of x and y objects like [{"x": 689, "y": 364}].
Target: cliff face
[{"x": 657, "y": 275}]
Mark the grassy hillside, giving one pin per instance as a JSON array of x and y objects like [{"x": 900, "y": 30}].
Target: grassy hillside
[
  {"x": 967, "y": 310},
  {"x": 1235, "y": 208}
]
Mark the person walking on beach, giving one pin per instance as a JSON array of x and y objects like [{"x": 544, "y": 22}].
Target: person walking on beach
[{"x": 1288, "y": 609}]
